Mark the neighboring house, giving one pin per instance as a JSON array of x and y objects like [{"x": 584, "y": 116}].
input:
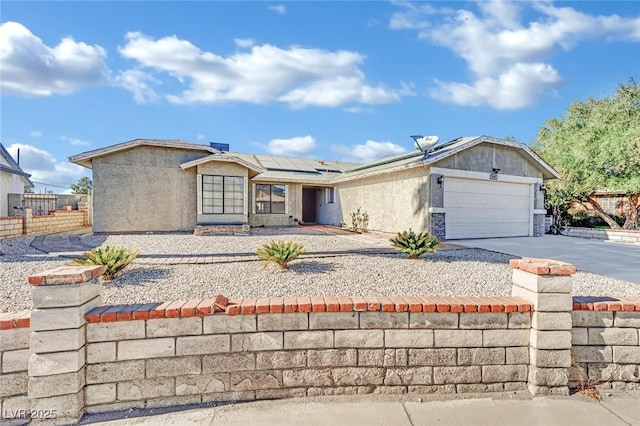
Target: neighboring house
[
  {"x": 613, "y": 203},
  {"x": 472, "y": 187},
  {"x": 12, "y": 180}
]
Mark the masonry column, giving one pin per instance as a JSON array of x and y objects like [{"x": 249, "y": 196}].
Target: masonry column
[
  {"x": 547, "y": 284},
  {"x": 61, "y": 298},
  {"x": 27, "y": 220}
]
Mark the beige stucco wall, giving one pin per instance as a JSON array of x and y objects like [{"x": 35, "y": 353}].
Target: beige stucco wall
[
  {"x": 395, "y": 201},
  {"x": 144, "y": 189},
  {"x": 223, "y": 168},
  {"x": 293, "y": 211},
  {"x": 483, "y": 158}
]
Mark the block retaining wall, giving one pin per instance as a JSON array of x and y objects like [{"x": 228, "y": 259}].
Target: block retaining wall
[
  {"x": 606, "y": 343},
  {"x": 71, "y": 353},
  {"x": 60, "y": 220},
  {"x": 621, "y": 235}
]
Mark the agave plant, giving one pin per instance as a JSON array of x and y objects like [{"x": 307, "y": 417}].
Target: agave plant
[
  {"x": 113, "y": 258},
  {"x": 280, "y": 252},
  {"x": 415, "y": 244}
]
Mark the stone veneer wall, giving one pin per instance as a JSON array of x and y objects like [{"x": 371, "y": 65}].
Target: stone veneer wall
[
  {"x": 84, "y": 357},
  {"x": 606, "y": 343},
  {"x": 538, "y": 225},
  {"x": 437, "y": 225},
  {"x": 620, "y": 235}
]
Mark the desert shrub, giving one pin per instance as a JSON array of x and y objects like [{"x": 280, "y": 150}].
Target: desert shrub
[
  {"x": 113, "y": 258},
  {"x": 280, "y": 252},
  {"x": 414, "y": 244},
  {"x": 360, "y": 221}
]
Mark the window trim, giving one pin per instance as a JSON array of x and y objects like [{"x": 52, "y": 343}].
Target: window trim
[{"x": 201, "y": 194}]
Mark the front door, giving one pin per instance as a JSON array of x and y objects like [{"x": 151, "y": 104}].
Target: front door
[{"x": 309, "y": 205}]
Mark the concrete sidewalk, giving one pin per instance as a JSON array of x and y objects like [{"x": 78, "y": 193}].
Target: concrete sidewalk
[{"x": 369, "y": 410}]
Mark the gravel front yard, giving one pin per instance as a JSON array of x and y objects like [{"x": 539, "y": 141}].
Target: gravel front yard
[{"x": 468, "y": 272}]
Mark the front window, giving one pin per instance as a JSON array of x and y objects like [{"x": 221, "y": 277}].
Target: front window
[
  {"x": 270, "y": 198},
  {"x": 222, "y": 194}
]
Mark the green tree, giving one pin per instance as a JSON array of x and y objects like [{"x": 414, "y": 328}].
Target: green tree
[
  {"x": 596, "y": 146},
  {"x": 28, "y": 189},
  {"x": 83, "y": 186}
]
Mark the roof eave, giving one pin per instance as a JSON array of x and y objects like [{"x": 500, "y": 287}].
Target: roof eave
[
  {"x": 84, "y": 159},
  {"x": 228, "y": 159}
]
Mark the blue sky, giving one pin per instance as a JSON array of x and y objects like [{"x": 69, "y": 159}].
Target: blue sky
[{"x": 329, "y": 80}]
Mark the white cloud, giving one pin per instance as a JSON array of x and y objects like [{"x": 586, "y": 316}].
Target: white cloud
[
  {"x": 296, "y": 76},
  {"x": 137, "y": 82},
  {"x": 201, "y": 136},
  {"x": 244, "y": 42},
  {"x": 279, "y": 9},
  {"x": 44, "y": 167},
  {"x": 509, "y": 57},
  {"x": 78, "y": 142},
  {"x": 31, "y": 68},
  {"x": 369, "y": 151},
  {"x": 296, "y": 147},
  {"x": 515, "y": 88},
  {"x": 35, "y": 133}
]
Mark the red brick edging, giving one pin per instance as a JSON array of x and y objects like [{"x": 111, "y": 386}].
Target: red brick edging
[
  {"x": 182, "y": 309},
  {"x": 628, "y": 304},
  {"x": 203, "y": 307},
  {"x": 11, "y": 320}
]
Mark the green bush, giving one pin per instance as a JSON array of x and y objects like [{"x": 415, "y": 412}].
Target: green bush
[
  {"x": 280, "y": 252},
  {"x": 414, "y": 244},
  {"x": 113, "y": 258},
  {"x": 587, "y": 221}
]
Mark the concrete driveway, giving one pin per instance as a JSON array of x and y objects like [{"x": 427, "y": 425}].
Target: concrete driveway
[{"x": 615, "y": 260}]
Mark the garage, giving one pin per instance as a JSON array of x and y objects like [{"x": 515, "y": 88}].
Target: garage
[{"x": 487, "y": 208}]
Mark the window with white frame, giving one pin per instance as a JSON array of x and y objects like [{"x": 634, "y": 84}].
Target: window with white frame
[
  {"x": 330, "y": 195},
  {"x": 222, "y": 194},
  {"x": 270, "y": 199}
]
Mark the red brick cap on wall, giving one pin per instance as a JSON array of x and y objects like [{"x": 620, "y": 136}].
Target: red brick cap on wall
[
  {"x": 11, "y": 320},
  {"x": 628, "y": 304},
  {"x": 266, "y": 305},
  {"x": 66, "y": 275},
  {"x": 543, "y": 266}
]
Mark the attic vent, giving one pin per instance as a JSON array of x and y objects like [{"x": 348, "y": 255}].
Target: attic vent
[{"x": 224, "y": 147}]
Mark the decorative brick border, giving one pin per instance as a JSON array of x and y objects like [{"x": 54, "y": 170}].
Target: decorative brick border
[
  {"x": 197, "y": 307},
  {"x": 628, "y": 304},
  {"x": 11, "y": 320},
  {"x": 203, "y": 307}
]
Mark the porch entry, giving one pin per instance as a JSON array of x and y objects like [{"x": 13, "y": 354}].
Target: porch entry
[{"x": 310, "y": 204}]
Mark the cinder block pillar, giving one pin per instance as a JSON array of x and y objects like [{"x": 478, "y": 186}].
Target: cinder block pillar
[
  {"x": 61, "y": 298},
  {"x": 27, "y": 220},
  {"x": 547, "y": 284}
]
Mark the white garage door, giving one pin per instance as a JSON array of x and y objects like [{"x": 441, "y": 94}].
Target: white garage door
[{"x": 486, "y": 209}]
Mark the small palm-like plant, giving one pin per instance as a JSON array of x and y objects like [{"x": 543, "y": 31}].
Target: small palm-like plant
[
  {"x": 415, "y": 244},
  {"x": 280, "y": 252},
  {"x": 113, "y": 258}
]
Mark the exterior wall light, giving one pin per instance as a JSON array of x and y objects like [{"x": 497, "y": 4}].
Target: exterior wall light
[{"x": 440, "y": 180}]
